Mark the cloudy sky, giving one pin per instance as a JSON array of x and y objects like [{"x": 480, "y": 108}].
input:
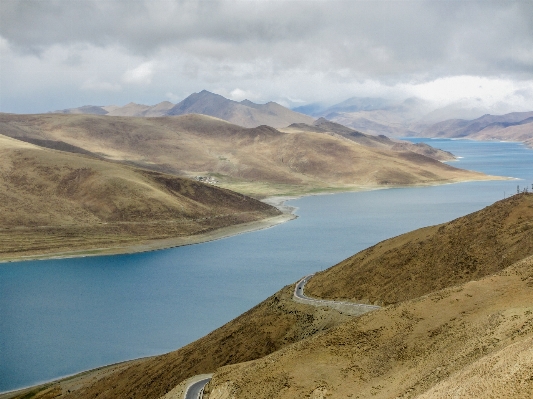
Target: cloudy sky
[{"x": 57, "y": 54}]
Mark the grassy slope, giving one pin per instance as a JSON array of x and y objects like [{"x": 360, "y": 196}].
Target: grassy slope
[
  {"x": 55, "y": 201},
  {"x": 258, "y": 161},
  {"x": 403, "y": 349}
]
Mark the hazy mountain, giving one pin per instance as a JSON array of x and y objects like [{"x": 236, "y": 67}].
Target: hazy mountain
[
  {"x": 86, "y": 109},
  {"x": 384, "y": 117},
  {"x": 313, "y": 109},
  {"x": 258, "y": 161},
  {"x": 417, "y": 117},
  {"x": 244, "y": 113},
  {"x": 516, "y": 126},
  {"x": 353, "y": 104}
]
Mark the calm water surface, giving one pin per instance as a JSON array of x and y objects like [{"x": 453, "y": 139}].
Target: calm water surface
[{"x": 58, "y": 317}]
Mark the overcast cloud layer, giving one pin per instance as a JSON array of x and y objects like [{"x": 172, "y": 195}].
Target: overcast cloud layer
[{"x": 60, "y": 54}]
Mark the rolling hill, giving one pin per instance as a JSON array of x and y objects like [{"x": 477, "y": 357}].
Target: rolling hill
[
  {"x": 456, "y": 337},
  {"x": 53, "y": 202},
  {"x": 259, "y": 161}
]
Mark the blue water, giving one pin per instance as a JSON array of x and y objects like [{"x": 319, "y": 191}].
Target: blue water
[{"x": 59, "y": 317}]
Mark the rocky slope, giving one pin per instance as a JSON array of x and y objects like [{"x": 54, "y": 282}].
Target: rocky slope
[
  {"x": 455, "y": 342},
  {"x": 433, "y": 258}
]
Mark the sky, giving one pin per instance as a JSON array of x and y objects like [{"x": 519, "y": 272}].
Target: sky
[{"x": 57, "y": 54}]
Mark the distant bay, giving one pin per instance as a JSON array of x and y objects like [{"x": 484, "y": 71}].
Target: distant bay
[{"x": 59, "y": 317}]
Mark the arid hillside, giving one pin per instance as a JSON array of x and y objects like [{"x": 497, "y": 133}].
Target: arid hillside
[
  {"x": 467, "y": 341},
  {"x": 258, "y": 161},
  {"x": 52, "y": 201},
  {"x": 432, "y": 258},
  {"x": 442, "y": 340}
]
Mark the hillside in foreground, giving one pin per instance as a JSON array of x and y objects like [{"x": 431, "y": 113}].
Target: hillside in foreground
[
  {"x": 455, "y": 338},
  {"x": 259, "y": 161},
  {"x": 442, "y": 341},
  {"x": 53, "y": 202},
  {"x": 466, "y": 341},
  {"x": 434, "y": 257}
]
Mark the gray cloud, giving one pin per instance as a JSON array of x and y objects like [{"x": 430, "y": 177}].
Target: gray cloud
[
  {"x": 230, "y": 43},
  {"x": 382, "y": 38}
]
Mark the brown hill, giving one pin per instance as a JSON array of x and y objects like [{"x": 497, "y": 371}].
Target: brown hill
[
  {"x": 432, "y": 258},
  {"x": 322, "y": 125},
  {"x": 402, "y": 350},
  {"x": 51, "y": 201},
  {"x": 258, "y": 161},
  {"x": 455, "y": 342}
]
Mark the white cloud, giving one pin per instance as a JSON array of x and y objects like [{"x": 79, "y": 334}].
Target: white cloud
[
  {"x": 64, "y": 54},
  {"x": 239, "y": 95},
  {"x": 172, "y": 97},
  {"x": 92, "y": 84},
  {"x": 486, "y": 92},
  {"x": 141, "y": 74}
]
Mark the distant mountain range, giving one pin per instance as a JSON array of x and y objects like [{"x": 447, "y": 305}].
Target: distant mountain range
[
  {"x": 515, "y": 126},
  {"x": 244, "y": 113},
  {"x": 374, "y": 115},
  {"x": 415, "y": 117},
  {"x": 412, "y": 117}
]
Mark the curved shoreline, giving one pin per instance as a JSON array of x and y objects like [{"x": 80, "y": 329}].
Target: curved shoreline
[
  {"x": 224, "y": 232},
  {"x": 166, "y": 243}
]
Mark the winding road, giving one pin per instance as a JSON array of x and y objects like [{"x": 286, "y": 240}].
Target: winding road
[
  {"x": 195, "y": 389},
  {"x": 355, "y": 309}
]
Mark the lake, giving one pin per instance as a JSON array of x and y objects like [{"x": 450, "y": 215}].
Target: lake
[{"x": 59, "y": 317}]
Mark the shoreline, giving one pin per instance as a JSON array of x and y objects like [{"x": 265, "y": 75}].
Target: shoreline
[
  {"x": 166, "y": 243},
  {"x": 278, "y": 201},
  {"x": 72, "y": 379}
]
